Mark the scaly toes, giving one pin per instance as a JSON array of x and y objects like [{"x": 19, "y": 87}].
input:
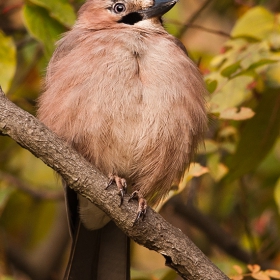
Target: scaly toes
[
  {"x": 142, "y": 205},
  {"x": 121, "y": 185},
  {"x": 142, "y": 209}
]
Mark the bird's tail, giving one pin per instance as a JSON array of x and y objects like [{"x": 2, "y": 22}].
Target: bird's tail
[{"x": 101, "y": 254}]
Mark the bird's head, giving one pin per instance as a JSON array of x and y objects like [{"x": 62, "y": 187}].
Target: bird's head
[{"x": 100, "y": 14}]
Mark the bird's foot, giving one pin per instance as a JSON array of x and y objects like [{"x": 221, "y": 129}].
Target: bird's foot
[
  {"x": 121, "y": 185},
  {"x": 142, "y": 205}
]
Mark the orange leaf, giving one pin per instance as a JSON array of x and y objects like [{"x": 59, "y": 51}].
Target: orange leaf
[
  {"x": 273, "y": 273},
  {"x": 260, "y": 275},
  {"x": 254, "y": 267}
]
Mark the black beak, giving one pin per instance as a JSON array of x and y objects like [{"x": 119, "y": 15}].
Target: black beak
[{"x": 160, "y": 8}]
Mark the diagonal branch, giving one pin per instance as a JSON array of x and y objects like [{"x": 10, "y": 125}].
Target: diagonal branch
[
  {"x": 154, "y": 232},
  {"x": 193, "y": 18}
]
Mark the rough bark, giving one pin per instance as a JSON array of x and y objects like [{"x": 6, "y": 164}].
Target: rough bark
[{"x": 153, "y": 232}]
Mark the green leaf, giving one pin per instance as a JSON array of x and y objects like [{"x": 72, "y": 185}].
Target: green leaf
[
  {"x": 256, "y": 23},
  {"x": 257, "y": 136},
  {"x": 261, "y": 63},
  {"x": 7, "y": 61},
  {"x": 277, "y": 194},
  {"x": 42, "y": 27},
  {"x": 273, "y": 75},
  {"x": 231, "y": 69},
  {"x": 211, "y": 85},
  {"x": 252, "y": 67},
  {"x": 60, "y": 10},
  {"x": 5, "y": 192},
  {"x": 172, "y": 15}
]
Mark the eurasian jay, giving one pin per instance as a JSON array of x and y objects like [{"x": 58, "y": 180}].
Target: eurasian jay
[{"x": 124, "y": 93}]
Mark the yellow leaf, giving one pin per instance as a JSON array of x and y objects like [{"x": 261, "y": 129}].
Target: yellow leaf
[
  {"x": 277, "y": 194},
  {"x": 237, "y": 114},
  {"x": 238, "y": 269},
  {"x": 228, "y": 131},
  {"x": 256, "y": 23},
  {"x": 209, "y": 146},
  {"x": 195, "y": 170},
  {"x": 7, "y": 61},
  {"x": 217, "y": 169}
]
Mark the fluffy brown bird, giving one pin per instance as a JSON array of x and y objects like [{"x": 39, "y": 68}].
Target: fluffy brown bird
[{"x": 123, "y": 92}]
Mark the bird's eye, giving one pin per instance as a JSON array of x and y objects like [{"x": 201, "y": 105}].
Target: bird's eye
[{"x": 119, "y": 8}]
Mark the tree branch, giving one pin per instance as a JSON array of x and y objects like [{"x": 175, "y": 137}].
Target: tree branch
[
  {"x": 196, "y": 26},
  {"x": 154, "y": 232},
  {"x": 193, "y": 18},
  {"x": 214, "y": 232},
  {"x": 32, "y": 191}
]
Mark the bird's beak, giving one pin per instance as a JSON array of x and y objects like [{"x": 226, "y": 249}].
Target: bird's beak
[{"x": 159, "y": 8}]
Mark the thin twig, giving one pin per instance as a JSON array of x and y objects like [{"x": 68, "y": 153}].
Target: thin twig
[
  {"x": 193, "y": 18},
  {"x": 214, "y": 232},
  {"x": 196, "y": 26},
  {"x": 36, "y": 194}
]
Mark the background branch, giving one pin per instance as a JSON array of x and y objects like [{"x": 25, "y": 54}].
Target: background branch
[
  {"x": 154, "y": 232},
  {"x": 193, "y": 18},
  {"x": 199, "y": 27},
  {"x": 32, "y": 191}
]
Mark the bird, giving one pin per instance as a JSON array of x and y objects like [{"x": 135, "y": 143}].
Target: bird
[{"x": 122, "y": 92}]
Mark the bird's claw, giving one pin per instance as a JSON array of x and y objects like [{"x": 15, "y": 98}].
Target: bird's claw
[
  {"x": 142, "y": 206},
  {"x": 121, "y": 185},
  {"x": 142, "y": 209},
  {"x": 134, "y": 195}
]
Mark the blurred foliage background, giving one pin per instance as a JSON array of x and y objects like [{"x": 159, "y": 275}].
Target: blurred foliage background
[{"x": 228, "y": 202}]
